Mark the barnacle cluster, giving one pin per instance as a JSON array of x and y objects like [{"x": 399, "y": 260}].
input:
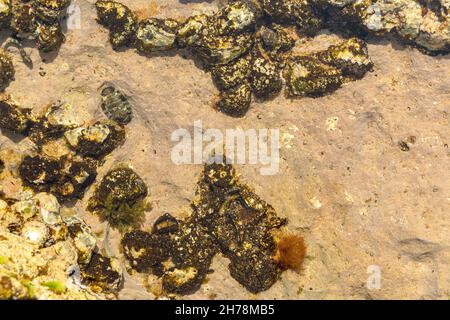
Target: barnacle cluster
[
  {"x": 227, "y": 218},
  {"x": 43, "y": 247},
  {"x": 120, "y": 198},
  {"x": 67, "y": 151},
  {"x": 37, "y": 19}
]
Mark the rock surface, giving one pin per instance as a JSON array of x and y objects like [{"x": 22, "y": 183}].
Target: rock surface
[{"x": 361, "y": 201}]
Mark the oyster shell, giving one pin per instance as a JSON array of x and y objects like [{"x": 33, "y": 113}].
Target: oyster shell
[
  {"x": 156, "y": 35},
  {"x": 12, "y": 117},
  {"x": 119, "y": 19},
  {"x": 236, "y": 101},
  {"x": 265, "y": 77}
]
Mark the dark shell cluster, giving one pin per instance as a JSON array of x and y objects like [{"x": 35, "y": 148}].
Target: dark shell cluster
[
  {"x": 6, "y": 69},
  {"x": 67, "y": 152},
  {"x": 119, "y": 199},
  {"x": 227, "y": 218},
  {"x": 246, "y": 46},
  {"x": 37, "y": 19}
]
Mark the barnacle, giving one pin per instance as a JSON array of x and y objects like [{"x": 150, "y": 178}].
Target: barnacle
[
  {"x": 308, "y": 76},
  {"x": 56, "y": 120},
  {"x": 67, "y": 153},
  {"x": 265, "y": 77},
  {"x": 5, "y": 11},
  {"x": 39, "y": 171},
  {"x": 275, "y": 42},
  {"x": 119, "y": 198},
  {"x": 189, "y": 31},
  {"x": 232, "y": 74},
  {"x": 237, "y": 17},
  {"x": 228, "y": 218}
]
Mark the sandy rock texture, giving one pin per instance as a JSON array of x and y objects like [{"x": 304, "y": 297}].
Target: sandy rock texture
[{"x": 362, "y": 201}]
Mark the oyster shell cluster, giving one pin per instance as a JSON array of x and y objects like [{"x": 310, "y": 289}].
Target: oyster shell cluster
[
  {"x": 6, "y": 69},
  {"x": 67, "y": 151},
  {"x": 244, "y": 55},
  {"x": 246, "y": 45},
  {"x": 36, "y": 19},
  {"x": 227, "y": 218},
  {"x": 48, "y": 252},
  {"x": 423, "y": 23}
]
